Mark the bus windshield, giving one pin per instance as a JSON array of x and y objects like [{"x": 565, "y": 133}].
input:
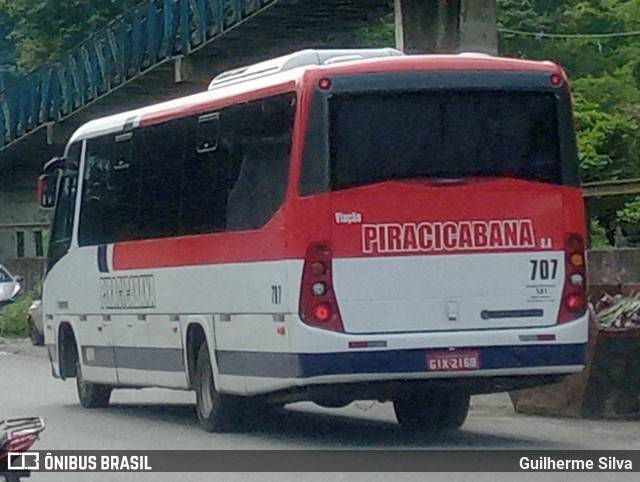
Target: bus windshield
[{"x": 443, "y": 134}]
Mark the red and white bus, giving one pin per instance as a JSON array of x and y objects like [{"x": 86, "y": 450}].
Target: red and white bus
[{"x": 327, "y": 226}]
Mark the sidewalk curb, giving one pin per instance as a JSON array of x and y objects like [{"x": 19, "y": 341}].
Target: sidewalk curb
[{"x": 492, "y": 401}]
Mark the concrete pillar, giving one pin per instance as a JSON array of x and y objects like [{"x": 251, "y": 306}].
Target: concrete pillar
[
  {"x": 182, "y": 68},
  {"x": 446, "y": 26}
]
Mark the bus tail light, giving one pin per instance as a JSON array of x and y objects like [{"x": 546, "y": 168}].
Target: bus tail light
[
  {"x": 574, "y": 294},
  {"x": 324, "y": 83},
  {"x": 556, "y": 80},
  {"x": 322, "y": 311},
  {"x": 318, "y": 304}
]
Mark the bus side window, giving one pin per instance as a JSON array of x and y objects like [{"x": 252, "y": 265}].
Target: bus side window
[
  {"x": 260, "y": 171},
  {"x": 238, "y": 182},
  {"x": 159, "y": 150},
  {"x": 110, "y": 192},
  {"x": 203, "y": 197},
  {"x": 259, "y": 190}
]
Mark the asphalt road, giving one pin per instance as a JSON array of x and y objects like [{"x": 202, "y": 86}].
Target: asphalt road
[{"x": 156, "y": 419}]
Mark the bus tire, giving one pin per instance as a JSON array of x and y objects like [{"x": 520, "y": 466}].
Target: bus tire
[
  {"x": 216, "y": 412},
  {"x": 442, "y": 410},
  {"x": 91, "y": 395}
]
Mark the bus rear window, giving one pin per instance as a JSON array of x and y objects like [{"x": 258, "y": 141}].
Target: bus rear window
[{"x": 443, "y": 134}]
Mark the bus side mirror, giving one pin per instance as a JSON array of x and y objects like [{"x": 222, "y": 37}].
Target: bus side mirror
[{"x": 47, "y": 190}]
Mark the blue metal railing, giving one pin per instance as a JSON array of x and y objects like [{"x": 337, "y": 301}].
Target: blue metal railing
[{"x": 151, "y": 34}]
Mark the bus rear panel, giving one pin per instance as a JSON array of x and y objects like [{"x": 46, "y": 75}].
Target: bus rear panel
[{"x": 451, "y": 235}]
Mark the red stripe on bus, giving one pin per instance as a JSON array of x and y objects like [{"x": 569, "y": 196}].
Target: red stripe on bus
[
  {"x": 199, "y": 250},
  {"x": 195, "y": 250}
]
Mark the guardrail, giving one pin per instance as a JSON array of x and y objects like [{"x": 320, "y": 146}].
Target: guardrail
[{"x": 151, "y": 34}]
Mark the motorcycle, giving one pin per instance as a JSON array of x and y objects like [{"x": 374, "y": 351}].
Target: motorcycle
[{"x": 17, "y": 435}]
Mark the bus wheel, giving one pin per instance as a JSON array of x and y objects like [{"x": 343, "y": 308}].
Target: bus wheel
[
  {"x": 216, "y": 412},
  {"x": 441, "y": 410},
  {"x": 91, "y": 395}
]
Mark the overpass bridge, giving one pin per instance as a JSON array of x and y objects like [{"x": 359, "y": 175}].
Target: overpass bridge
[{"x": 165, "y": 49}]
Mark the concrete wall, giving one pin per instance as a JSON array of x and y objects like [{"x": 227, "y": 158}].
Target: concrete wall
[
  {"x": 19, "y": 213},
  {"x": 614, "y": 267}
]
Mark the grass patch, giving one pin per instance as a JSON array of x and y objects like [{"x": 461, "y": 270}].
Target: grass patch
[{"x": 13, "y": 318}]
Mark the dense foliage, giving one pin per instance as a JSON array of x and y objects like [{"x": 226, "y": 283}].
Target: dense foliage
[
  {"x": 7, "y": 47},
  {"x": 13, "y": 318},
  {"x": 46, "y": 28},
  {"x": 7, "y": 50}
]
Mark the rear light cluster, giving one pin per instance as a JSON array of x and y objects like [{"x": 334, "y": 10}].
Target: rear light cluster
[
  {"x": 574, "y": 294},
  {"x": 20, "y": 442},
  {"x": 318, "y": 304}
]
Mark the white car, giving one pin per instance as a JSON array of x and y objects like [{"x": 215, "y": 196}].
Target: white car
[
  {"x": 10, "y": 286},
  {"x": 36, "y": 323}
]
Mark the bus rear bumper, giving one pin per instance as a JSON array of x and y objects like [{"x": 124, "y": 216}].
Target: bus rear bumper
[
  {"x": 516, "y": 357},
  {"x": 382, "y": 364},
  {"x": 387, "y": 386},
  {"x": 340, "y": 392}
]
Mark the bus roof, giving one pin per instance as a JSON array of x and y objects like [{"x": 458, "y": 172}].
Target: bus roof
[{"x": 223, "y": 92}]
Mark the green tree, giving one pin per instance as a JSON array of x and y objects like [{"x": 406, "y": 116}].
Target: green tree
[{"x": 7, "y": 50}]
